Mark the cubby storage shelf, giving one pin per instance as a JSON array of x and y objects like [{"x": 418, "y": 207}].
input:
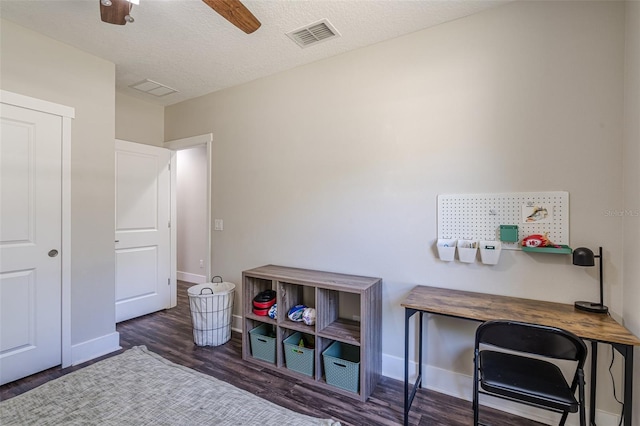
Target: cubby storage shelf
[
  {"x": 343, "y": 330},
  {"x": 324, "y": 291},
  {"x": 251, "y": 315},
  {"x": 297, "y": 326}
]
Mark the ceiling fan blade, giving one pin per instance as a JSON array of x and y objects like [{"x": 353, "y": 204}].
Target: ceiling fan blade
[
  {"x": 115, "y": 13},
  {"x": 236, "y": 13}
]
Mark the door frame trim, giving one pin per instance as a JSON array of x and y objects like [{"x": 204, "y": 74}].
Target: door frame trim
[
  {"x": 177, "y": 145},
  {"x": 67, "y": 114}
]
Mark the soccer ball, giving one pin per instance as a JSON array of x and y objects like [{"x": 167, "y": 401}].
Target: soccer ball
[{"x": 309, "y": 316}]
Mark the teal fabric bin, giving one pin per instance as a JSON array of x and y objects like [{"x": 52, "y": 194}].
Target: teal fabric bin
[
  {"x": 342, "y": 366},
  {"x": 298, "y": 358},
  {"x": 263, "y": 345}
]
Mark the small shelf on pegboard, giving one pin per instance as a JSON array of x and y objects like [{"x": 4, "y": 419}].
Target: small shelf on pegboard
[{"x": 557, "y": 249}]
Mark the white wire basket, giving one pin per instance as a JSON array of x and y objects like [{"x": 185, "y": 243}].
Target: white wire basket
[{"x": 211, "y": 307}]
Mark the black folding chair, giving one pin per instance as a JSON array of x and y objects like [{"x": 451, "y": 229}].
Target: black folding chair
[{"x": 517, "y": 376}]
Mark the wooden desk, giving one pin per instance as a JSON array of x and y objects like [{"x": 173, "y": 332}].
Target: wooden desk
[{"x": 485, "y": 307}]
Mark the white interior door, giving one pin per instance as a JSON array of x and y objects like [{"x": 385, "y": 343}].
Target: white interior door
[
  {"x": 30, "y": 242},
  {"x": 142, "y": 238}
]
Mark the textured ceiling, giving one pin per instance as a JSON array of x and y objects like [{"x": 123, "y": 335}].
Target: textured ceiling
[{"x": 184, "y": 44}]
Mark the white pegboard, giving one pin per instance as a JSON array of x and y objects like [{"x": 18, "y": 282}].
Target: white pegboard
[{"x": 479, "y": 216}]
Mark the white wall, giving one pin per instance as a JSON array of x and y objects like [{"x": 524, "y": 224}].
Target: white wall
[
  {"x": 37, "y": 66},
  {"x": 191, "y": 197},
  {"x": 631, "y": 164},
  {"x": 139, "y": 121},
  {"x": 337, "y": 165}
]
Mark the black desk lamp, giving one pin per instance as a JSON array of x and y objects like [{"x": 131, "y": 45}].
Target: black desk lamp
[{"x": 583, "y": 256}]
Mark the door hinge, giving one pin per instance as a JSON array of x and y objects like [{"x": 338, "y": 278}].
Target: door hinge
[
  {"x": 169, "y": 166},
  {"x": 168, "y": 281},
  {"x": 169, "y": 224}
]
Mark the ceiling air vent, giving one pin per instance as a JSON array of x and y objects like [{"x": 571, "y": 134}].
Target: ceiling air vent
[
  {"x": 153, "y": 88},
  {"x": 313, "y": 33}
]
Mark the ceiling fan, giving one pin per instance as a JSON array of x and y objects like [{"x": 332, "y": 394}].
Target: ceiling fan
[{"x": 118, "y": 12}]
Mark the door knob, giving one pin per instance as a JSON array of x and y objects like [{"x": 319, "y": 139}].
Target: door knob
[{"x": 53, "y": 253}]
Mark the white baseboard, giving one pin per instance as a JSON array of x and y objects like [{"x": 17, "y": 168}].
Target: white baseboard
[
  {"x": 461, "y": 386},
  {"x": 236, "y": 323},
  {"x": 191, "y": 278},
  {"x": 94, "y": 348}
]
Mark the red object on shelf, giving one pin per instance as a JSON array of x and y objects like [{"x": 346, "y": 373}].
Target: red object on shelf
[
  {"x": 261, "y": 312},
  {"x": 264, "y": 305},
  {"x": 263, "y": 301}
]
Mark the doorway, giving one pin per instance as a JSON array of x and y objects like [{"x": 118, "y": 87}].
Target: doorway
[
  {"x": 191, "y": 206},
  {"x": 191, "y": 190}
]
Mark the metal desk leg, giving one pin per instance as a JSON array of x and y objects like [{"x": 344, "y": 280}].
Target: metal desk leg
[
  {"x": 407, "y": 406},
  {"x": 592, "y": 388},
  {"x": 627, "y": 353},
  {"x": 408, "y": 397},
  {"x": 419, "y": 349}
]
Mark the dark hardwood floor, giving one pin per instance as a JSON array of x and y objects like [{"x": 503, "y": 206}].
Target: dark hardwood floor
[{"x": 168, "y": 333}]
